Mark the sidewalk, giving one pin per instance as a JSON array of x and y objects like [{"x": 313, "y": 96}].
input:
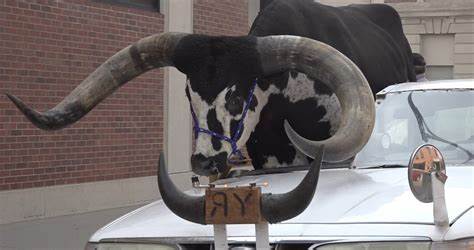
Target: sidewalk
[{"x": 58, "y": 233}]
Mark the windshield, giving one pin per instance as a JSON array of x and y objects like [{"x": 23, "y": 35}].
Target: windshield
[{"x": 406, "y": 120}]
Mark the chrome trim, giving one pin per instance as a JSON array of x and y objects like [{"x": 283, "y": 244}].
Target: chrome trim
[
  {"x": 176, "y": 246},
  {"x": 459, "y": 84},
  {"x": 273, "y": 240},
  {"x": 158, "y": 240}
]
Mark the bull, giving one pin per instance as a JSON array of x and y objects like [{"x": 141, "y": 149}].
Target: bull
[
  {"x": 241, "y": 86},
  {"x": 248, "y": 90}
]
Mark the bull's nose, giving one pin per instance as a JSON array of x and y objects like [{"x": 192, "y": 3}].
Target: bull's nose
[{"x": 203, "y": 165}]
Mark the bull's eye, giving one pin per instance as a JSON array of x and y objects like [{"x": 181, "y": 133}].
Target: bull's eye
[
  {"x": 228, "y": 95},
  {"x": 234, "y": 105}
]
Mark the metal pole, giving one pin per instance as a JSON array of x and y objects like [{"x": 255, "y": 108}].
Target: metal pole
[
  {"x": 440, "y": 212},
  {"x": 261, "y": 236},
  {"x": 220, "y": 237}
]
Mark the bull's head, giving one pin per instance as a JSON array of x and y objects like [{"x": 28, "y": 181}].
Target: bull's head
[{"x": 220, "y": 72}]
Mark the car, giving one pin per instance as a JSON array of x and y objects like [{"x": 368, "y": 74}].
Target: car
[{"x": 365, "y": 204}]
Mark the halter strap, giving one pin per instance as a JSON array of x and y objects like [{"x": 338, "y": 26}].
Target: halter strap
[{"x": 232, "y": 141}]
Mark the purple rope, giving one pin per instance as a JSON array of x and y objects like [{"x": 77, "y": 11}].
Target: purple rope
[{"x": 238, "y": 132}]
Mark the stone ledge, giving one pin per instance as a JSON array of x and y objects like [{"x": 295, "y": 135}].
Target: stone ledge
[{"x": 435, "y": 8}]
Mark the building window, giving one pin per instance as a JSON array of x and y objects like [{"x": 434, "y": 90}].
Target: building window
[
  {"x": 438, "y": 51},
  {"x": 141, "y": 4},
  {"x": 439, "y": 72}
]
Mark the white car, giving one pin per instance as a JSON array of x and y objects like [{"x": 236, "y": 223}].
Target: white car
[{"x": 368, "y": 205}]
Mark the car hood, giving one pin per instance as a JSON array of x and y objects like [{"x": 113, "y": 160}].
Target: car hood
[{"x": 343, "y": 197}]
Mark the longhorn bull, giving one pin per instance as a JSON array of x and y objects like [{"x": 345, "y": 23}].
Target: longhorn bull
[{"x": 201, "y": 58}]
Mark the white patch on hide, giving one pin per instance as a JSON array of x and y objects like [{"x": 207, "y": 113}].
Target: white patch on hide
[
  {"x": 272, "y": 162},
  {"x": 330, "y": 103},
  {"x": 224, "y": 117},
  {"x": 201, "y": 108},
  {"x": 203, "y": 141},
  {"x": 300, "y": 159},
  {"x": 253, "y": 117},
  {"x": 299, "y": 88}
]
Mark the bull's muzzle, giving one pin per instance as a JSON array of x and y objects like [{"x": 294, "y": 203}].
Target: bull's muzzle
[{"x": 207, "y": 166}]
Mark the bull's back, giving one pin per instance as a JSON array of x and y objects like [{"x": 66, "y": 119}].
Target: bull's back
[{"x": 370, "y": 35}]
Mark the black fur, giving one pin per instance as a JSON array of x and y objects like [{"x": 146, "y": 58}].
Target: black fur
[{"x": 214, "y": 63}]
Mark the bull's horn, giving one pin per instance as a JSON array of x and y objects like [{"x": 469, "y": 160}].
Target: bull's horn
[
  {"x": 280, "y": 207},
  {"x": 148, "y": 53},
  {"x": 188, "y": 207},
  {"x": 343, "y": 77}
]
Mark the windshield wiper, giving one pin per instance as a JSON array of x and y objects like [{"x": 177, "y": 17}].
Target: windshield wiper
[
  {"x": 385, "y": 166},
  {"x": 279, "y": 170},
  {"x": 428, "y": 134}
]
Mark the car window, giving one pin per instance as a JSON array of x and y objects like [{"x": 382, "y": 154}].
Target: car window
[{"x": 407, "y": 120}]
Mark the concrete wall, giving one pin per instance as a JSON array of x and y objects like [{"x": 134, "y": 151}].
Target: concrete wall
[{"x": 442, "y": 18}]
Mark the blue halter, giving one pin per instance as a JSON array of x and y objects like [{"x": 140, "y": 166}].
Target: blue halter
[{"x": 233, "y": 140}]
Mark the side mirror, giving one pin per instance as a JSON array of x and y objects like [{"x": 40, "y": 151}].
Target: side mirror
[{"x": 427, "y": 176}]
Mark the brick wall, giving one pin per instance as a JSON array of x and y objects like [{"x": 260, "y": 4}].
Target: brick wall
[
  {"x": 47, "y": 48},
  {"x": 221, "y": 17}
]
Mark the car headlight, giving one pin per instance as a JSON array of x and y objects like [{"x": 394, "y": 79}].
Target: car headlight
[
  {"x": 129, "y": 246},
  {"x": 400, "y": 245}
]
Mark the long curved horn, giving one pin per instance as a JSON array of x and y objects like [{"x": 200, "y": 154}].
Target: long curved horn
[
  {"x": 280, "y": 207},
  {"x": 188, "y": 207},
  {"x": 148, "y": 53},
  {"x": 343, "y": 77}
]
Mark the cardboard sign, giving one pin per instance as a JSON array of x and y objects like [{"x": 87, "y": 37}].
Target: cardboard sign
[{"x": 240, "y": 205}]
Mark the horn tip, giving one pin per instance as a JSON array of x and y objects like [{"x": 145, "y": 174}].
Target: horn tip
[
  {"x": 12, "y": 98},
  {"x": 18, "y": 103},
  {"x": 33, "y": 116},
  {"x": 297, "y": 139}
]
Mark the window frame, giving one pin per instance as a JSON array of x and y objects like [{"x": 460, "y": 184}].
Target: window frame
[{"x": 153, "y": 6}]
